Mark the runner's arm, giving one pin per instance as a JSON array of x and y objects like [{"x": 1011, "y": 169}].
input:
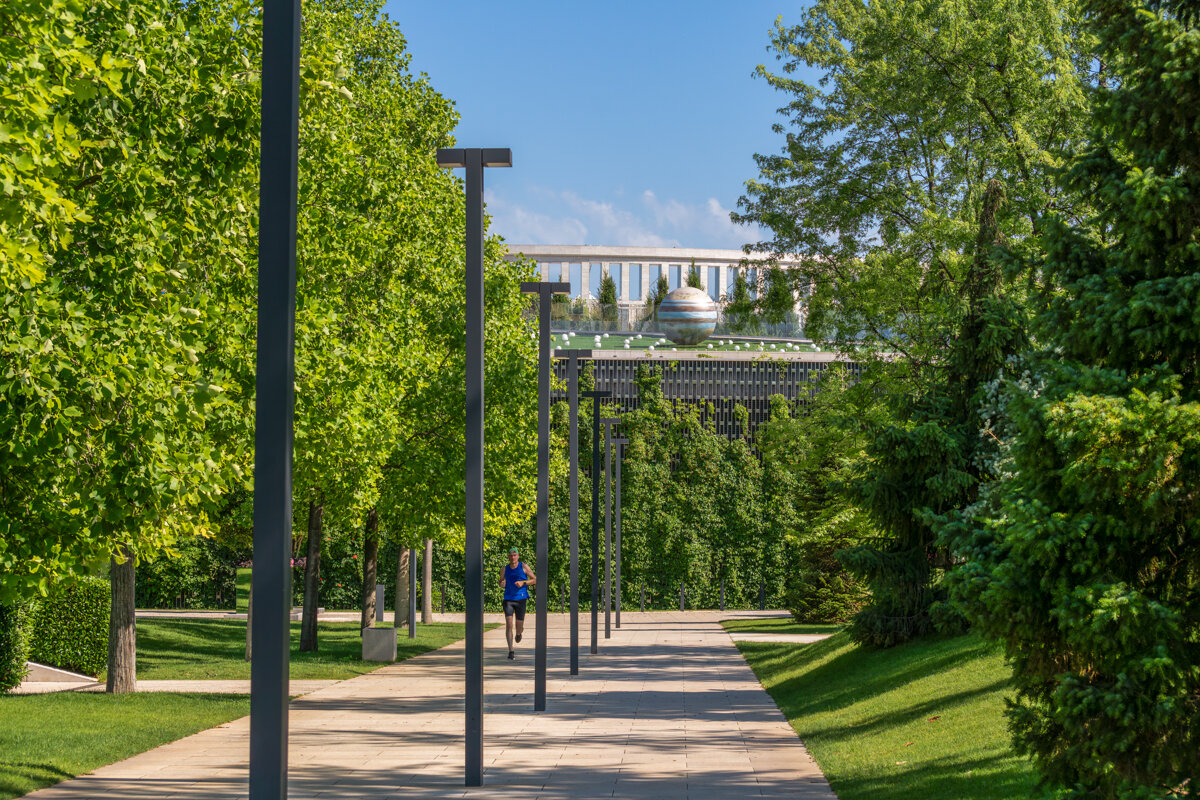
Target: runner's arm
[{"x": 529, "y": 574}]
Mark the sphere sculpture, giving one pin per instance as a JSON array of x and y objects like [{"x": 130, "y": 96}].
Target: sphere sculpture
[{"x": 687, "y": 316}]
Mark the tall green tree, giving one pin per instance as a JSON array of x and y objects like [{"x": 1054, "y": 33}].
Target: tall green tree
[
  {"x": 893, "y": 169},
  {"x": 739, "y": 306},
  {"x": 887, "y": 157},
  {"x": 608, "y": 298},
  {"x": 126, "y": 392},
  {"x": 50, "y": 65},
  {"x": 367, "y": 129},
  {"x": 777, "y": 302},
  {"x": 658, "y": 293},
  {"x": 693, "y": 276},
  {"x": 380, "y": 347},
  {"x": 1084, "y": 561},
  {"x": 810, "y": 455}
]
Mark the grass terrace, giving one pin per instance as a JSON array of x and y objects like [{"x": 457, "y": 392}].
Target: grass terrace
[
  {"x": 571, "y": 340},
  {"x": 924, "y": 719}
]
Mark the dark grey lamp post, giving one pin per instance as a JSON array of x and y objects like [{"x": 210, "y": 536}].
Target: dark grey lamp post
[
  {"x": 545, "y": 291},
  {"x": 573, "y": 357},
  {"x": 412, "y": 593},
  {"x": 620, "y": 445},
  {"x": 608, "y": 423},
  {"x": 596, "y": 396},
  {"x": 275, "y": 401},
  {"x": 474, "y": 159}
]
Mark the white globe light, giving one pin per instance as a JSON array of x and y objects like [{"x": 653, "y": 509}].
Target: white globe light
[
  {"x": 651, "y": 348},
  {"x": 737, "y": 348},
  {"x": 606, "y": 336}
]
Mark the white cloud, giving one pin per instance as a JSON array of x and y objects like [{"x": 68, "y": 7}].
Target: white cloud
[
  {"x": 518, "y": 224},
  {"x": 564, "y": 217}
]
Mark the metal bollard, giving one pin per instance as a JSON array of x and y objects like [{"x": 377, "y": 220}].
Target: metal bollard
[
  {"x": 443, "y": 597},
  {"x": 643, "y": 595},
  {"x": 722, "y": 594},
  {"x": 762, "y": 596},
  {"x": 682, "y": 597}
]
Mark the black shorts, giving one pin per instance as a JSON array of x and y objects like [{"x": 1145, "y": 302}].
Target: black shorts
[{"x": 515, "y": 608}]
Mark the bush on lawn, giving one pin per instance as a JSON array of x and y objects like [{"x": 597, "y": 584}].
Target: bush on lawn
[
  {"x": 69, "y": 628},
  {"x": 198, "y": 573},
  {"x": 14, "y": 646}
]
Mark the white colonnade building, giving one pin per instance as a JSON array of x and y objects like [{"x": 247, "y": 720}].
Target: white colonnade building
[{"x": 636, "y": 270}]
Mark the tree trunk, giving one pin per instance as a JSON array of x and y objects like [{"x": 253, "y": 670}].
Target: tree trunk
[
  {"x": 249, "y": 620},
  {"x": 312, "y": 579},
  {"x": 370, "y": 567},
  {"x": 427, "y": 584},
  {"x": 401, "y": 605},
  {"x": 122, "y": 628}
]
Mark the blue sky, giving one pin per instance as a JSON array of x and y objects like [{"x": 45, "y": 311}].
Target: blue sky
[{"x": 631, "y": 123}]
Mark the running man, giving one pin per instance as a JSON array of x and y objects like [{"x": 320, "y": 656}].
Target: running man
[{"x": 516, "y": 580}]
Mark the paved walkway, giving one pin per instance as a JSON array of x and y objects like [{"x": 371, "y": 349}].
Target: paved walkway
[{"x": 668, "y": 709}]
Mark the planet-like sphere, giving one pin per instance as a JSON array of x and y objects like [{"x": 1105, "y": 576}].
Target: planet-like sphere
[{"x": 687, "y": 315}]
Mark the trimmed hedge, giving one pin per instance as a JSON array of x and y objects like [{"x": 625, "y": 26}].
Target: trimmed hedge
[
  {"x": 69, "y": 628},
  {"x": 14, "y": 646}
]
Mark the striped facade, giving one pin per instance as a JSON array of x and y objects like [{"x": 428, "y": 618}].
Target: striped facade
[{"x": 723, "y": 382}]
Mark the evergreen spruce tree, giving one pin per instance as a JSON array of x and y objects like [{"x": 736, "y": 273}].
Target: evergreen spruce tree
[
  {"x": 777, "y": 303},
  {"x": 925, "y": 466},
  {"x": 739, "y": 308},
  {"x": 608, "y": 298},
  {"x": 693, "y": 276},
  {"x": 1084, "y": 561}
]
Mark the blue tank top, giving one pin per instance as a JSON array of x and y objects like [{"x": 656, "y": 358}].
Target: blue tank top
[{"x": 511, "y": 576}]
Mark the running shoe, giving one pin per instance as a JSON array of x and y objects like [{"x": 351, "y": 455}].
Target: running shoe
[
  {"x": 511, "y": 655},
  {"x": 518, "y": 637}
]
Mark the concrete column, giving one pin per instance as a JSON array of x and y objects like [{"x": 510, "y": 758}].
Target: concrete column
[
  {"x": 703, "y": 270},
  {"x": 645, "y": 281},
  {"x": 585, "y": 278}
]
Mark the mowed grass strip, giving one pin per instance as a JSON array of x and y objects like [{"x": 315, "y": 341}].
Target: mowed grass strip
[
  {"x": 920, "y": 721},
  {"x": 776, "y": 625},
  {"x": 48, "y": 738},
  {"x": 215, "y": 649}
]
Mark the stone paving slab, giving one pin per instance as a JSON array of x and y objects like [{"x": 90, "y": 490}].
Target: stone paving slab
[{"x": 667, "y": 709}]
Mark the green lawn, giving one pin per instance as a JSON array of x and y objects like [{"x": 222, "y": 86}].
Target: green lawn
[
  {"x": 215, "y": 649},
  {"x": 776, "y": 625},
  {"x": 48, "y": 738},
  {"x": 242, "y": 588},
  {"x": 923, "y": 720},
  {"x": 616, "y": 341}
]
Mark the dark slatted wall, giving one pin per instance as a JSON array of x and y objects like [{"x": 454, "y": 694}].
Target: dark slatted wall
[{"x": 722, "y": 383}]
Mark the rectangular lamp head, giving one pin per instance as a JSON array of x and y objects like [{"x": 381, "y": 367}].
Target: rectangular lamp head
[
  {"x": 534, "y": 287},
  {"x": 451, "y": 157}
]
